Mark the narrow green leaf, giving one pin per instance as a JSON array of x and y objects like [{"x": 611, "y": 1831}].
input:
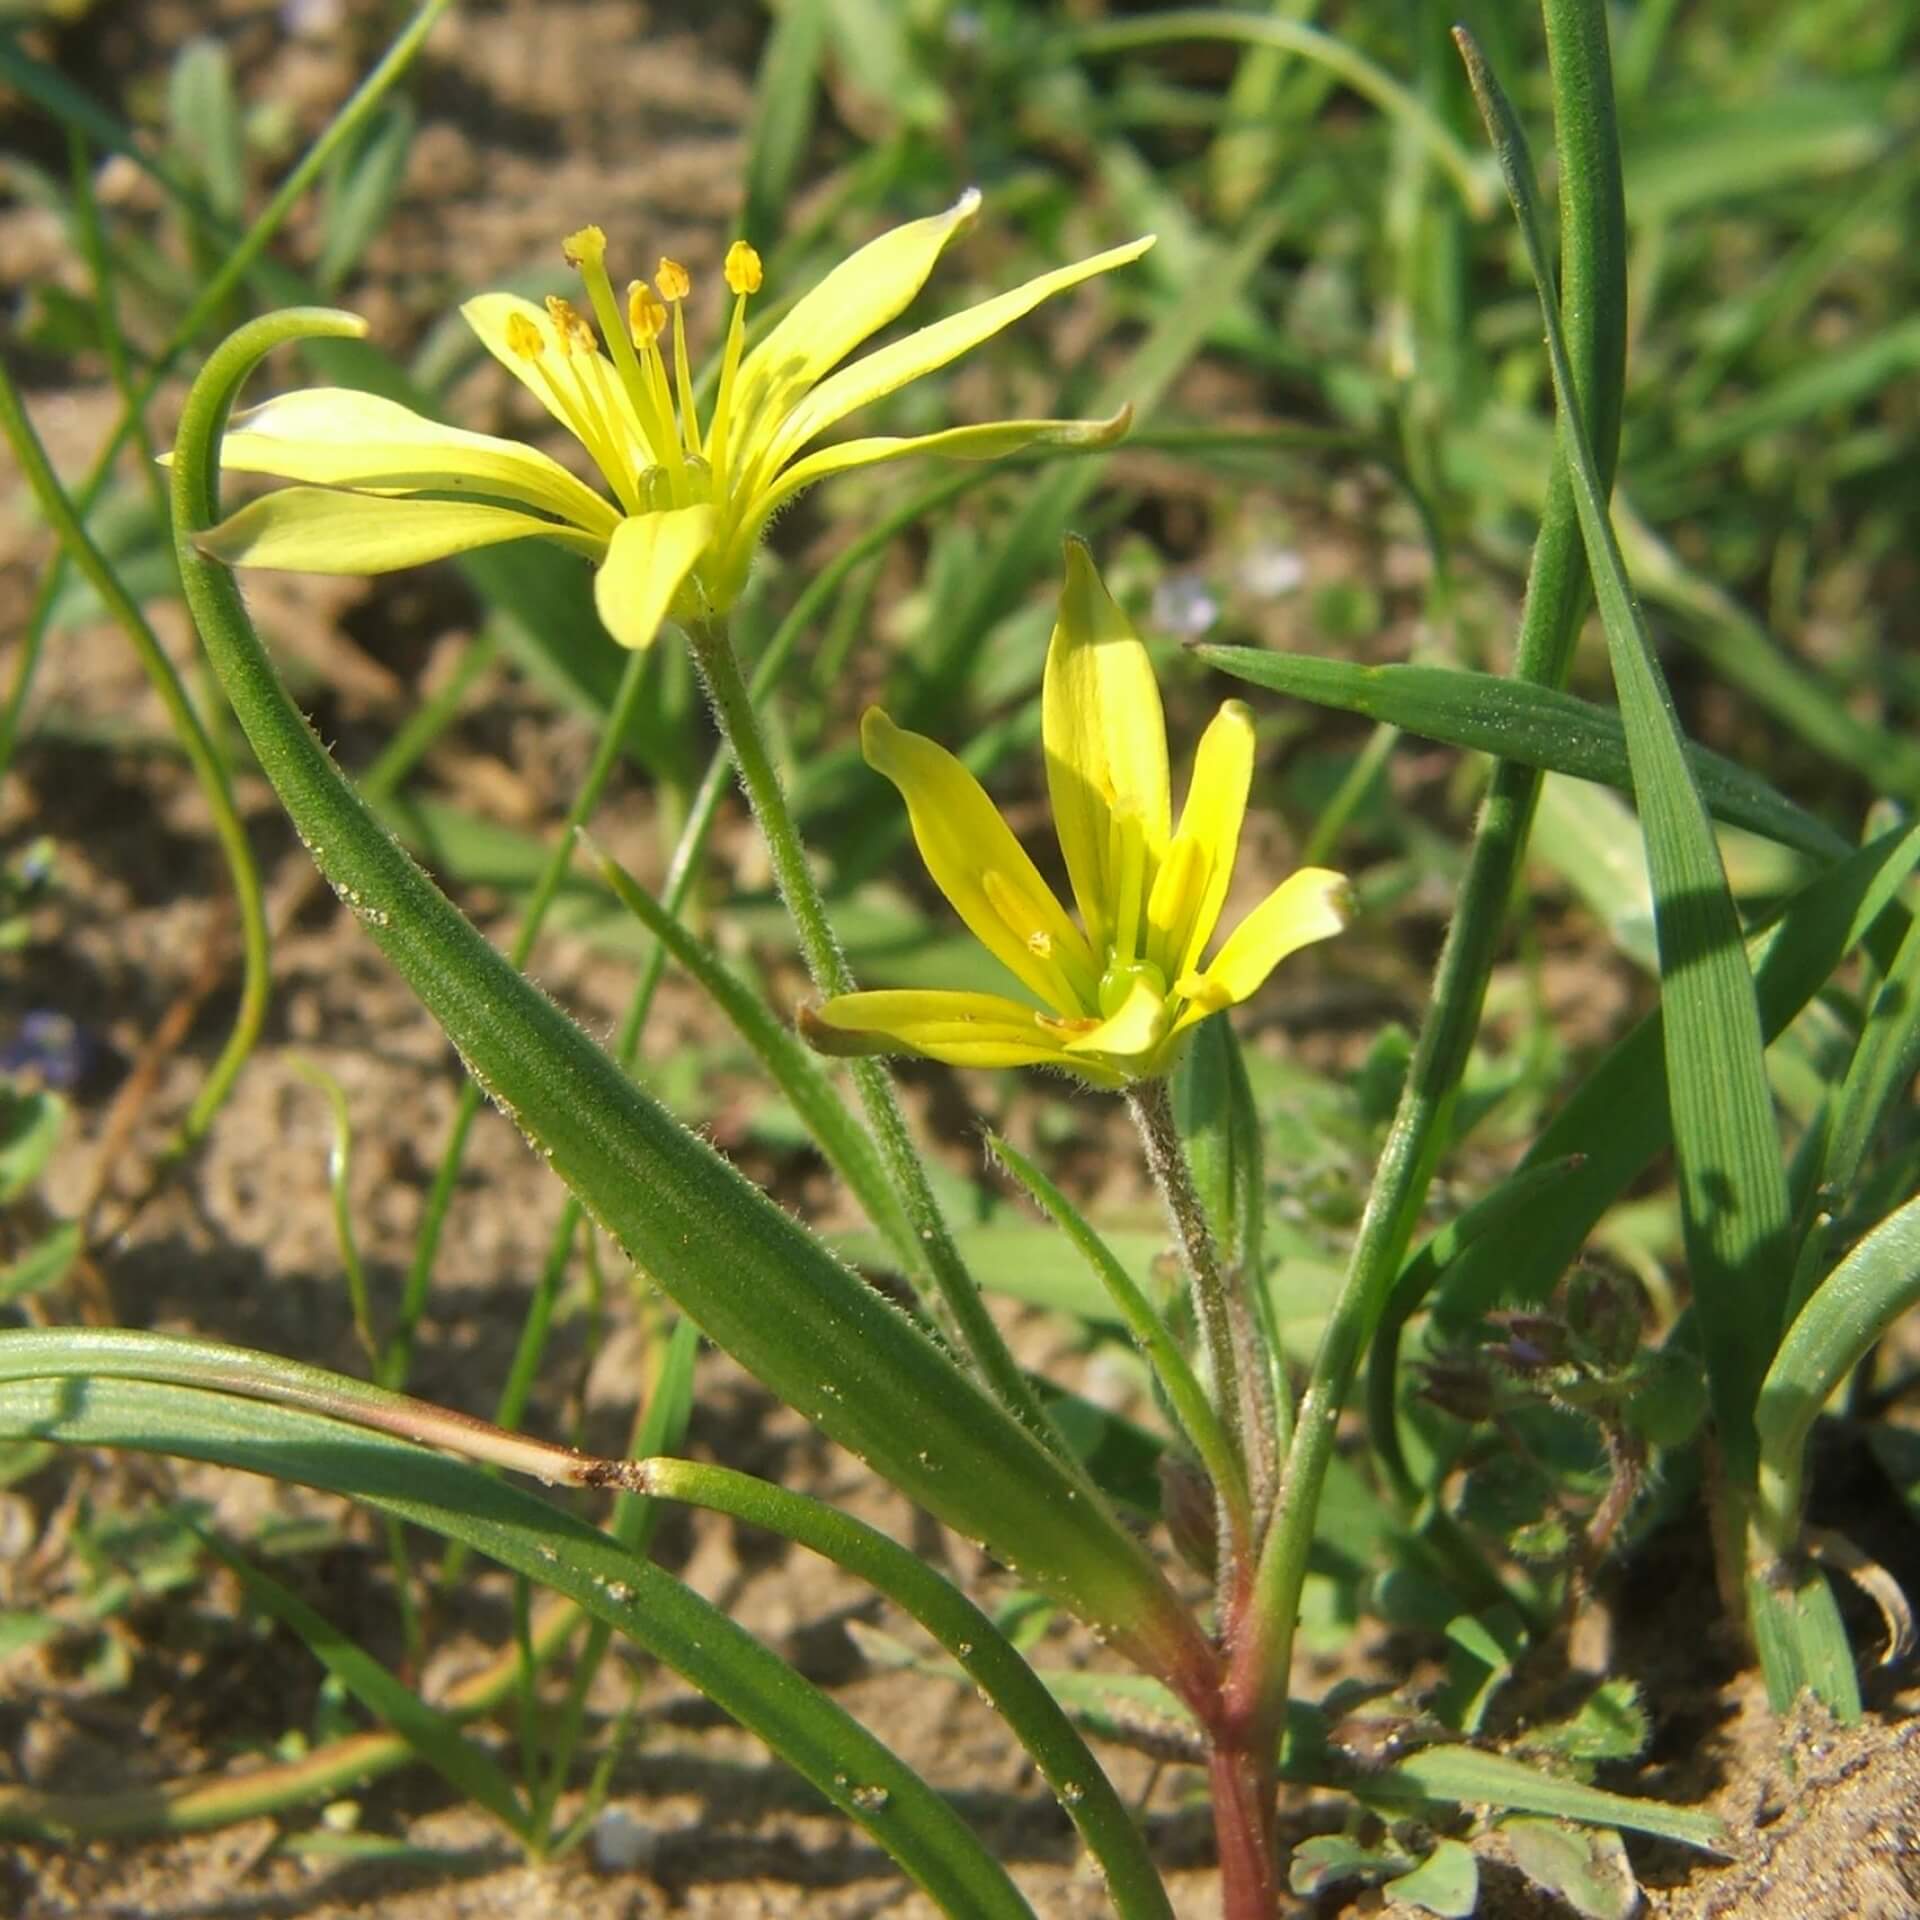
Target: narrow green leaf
[
  {"x": 784, "y": 94},
  {"x": 1801, "y": 1639},
  {"x": 1540, "y": 726},
  {"x": 795, "y": 1068},
  {"x": 1847, "y": 1314},
  {"x": 1465, "y": 1777},
  {"x": 1618, "y": 1119},
  {"x": 855, "y": 1772},
  {"x": 986, "y": 1657},
  {"x": 43, "y": 1265},
  {"x": 360, "y": 190},
  {"x": 435, "y": 1737},
  {"x": 204, "y": 128},
  {"x": 1732, "y": 1184},
  {"x": 1183, "y": 1390},
  {"x": 758, "y": 1282}
]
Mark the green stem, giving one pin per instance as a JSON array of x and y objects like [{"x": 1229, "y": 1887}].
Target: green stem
[
  {"x": 397, "y": 1357},
  {"x": 1593, "y": 300},
  {"x": 1225, "y": 1316},
  {"x": 208, "y": 768},
  {"x": 983, "y": 1653},
  {"x": 820, "y": 948}
]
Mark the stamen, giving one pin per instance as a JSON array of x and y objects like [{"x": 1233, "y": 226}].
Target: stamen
[
  {"x": 675, "y": 284},
  {"x": 648, "y": 315},
  {"x": 587, "y": 250},
  {"x": 742, "y": 271},
  {"x": 585, "y": 409},
  {"x": 524, "y": 338}
]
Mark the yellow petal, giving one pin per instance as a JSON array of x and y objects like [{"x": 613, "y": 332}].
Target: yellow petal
[
  {"x": 993, "y": 441},
  {"x": 1132, "y": 1032},
  {"x": 316, "y": 530},
  {"x": 1106, "y": 743},
  {"x": 963, "y": 1029},
  {"x": 921, "y": 352},
  {"x": 338, "y": 437},
  {"x": 1191, "y": 889},
  {"x": 853, "y": 302},
  {"x": 646, "y": 565},
  {"x": 977, "y": 863},
  {"x": 1313, "y": 904},
  {"x": 488, "y": 314}
]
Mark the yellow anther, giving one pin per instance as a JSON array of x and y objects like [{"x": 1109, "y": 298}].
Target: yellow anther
[
  {"x": 587, "y": 247},
  {"x": 574, "y": 329},
  {"x": 524, "y": 338},
  {"x": 646, "y": 314},
  {"x": 673, "y": 280},
  {"x": 742, "y": 268}
]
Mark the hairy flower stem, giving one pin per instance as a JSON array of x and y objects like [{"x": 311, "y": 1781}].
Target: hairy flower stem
[
  {"x": 972, "y": 1326},
  {"x": 1243, "y": 1393}
]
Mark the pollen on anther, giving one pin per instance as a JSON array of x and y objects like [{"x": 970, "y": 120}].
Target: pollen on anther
[
  {"x": 742, "y": 268},
  {"x": 588, "y": 245},
  {"x": 1041, "y": 943},
  {"x": 571, "y": 325},
  {"x": 673, "y": 280},
  {"x": 646, "y": 313},
  {"x": 523, "y": 337}
]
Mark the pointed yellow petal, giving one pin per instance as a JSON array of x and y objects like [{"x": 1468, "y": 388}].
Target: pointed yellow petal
[
  {"x": 1131, "y": 1033},
  {"x": 852, "y": 303},
  {"x": 1106, "y": 742},
  {"x": 977, "y": 863},
  {"x": 1183, "y": 922},
  {"x": 963, "y": 1029},
  {"x": 892, "y": 367},
  {"x": 1313, "y": 904},
  {"x": 993, "y": 441},
  {"x": 338, "y": 437},
  {"x": 492, "y": 317},
  {"x": 648, "y": 561},
  {"x": 315, "y": 530}
]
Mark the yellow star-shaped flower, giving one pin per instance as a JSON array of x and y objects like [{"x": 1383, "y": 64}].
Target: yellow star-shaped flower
[
  {"x": 1119, "y": 989},
  {"x": 687, "y": 500}
]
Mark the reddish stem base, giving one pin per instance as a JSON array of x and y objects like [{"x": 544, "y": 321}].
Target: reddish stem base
[{"x": 1243, "y": 1783}]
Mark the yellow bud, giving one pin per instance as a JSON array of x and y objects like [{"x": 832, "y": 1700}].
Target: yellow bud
[
  {"x": 742, "y": 268},
  {"x": 673, "y": 280},
  {"x": 588, "y": 247},
  {"x": 646, "y": 313},
  {"x": 523, "y": 337}
]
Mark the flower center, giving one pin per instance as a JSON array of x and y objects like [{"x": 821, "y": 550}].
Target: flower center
[
  {"x": 1119, "y": 980},
  {"x": 677, "y": 463}
]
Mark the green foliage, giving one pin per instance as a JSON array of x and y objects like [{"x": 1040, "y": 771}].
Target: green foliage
[{"x": 1334, "y": 351}]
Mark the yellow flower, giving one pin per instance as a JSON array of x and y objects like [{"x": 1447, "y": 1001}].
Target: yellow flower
[
  {"x": 1122, "y": 987},
  {"x": 689, "y": 499}
]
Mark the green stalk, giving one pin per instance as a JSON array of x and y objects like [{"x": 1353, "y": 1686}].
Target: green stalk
[
  {"x": 820, "y": 948},
  {"x": 256, "y": 978},
  {"x": 397, "y": 1356},
  {"x": 983, "y": 1652},
  {"x": 1593, "y": 301}
]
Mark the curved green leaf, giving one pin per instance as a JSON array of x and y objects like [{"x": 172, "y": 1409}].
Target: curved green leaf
[
  {"x": 858, "y": 1775},
  {"x": 1538, "y": 725},
  {"x": 984, "y": 1654}
]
